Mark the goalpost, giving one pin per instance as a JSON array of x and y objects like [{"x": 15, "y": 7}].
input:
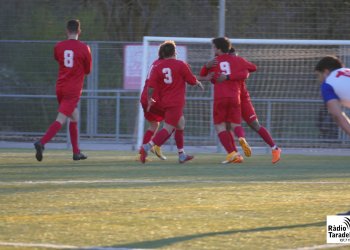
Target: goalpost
[{"x": 284, "y": 90}]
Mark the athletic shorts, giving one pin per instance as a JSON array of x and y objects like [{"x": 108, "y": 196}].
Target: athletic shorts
[
  {"x": 67, "y": 104},
  {"x": 248, "y": 112},
  {"x": 227, "y": 110},
  {"x": 173, "y": 115},
  {"x": 155, "y": 114}
]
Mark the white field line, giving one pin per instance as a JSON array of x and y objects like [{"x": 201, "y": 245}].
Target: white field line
[
  {"x": 57, "y": 246},
  {"x": 325, "y": 246},
  {"x": 149, "y": 181}
]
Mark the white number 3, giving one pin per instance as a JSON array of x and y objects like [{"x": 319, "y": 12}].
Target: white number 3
[
  {"x": 68, "y": 58},
  {"x": 168, "y": 79}
]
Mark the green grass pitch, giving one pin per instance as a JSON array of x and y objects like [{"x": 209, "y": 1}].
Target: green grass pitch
[{"x": 110, "y": 200}]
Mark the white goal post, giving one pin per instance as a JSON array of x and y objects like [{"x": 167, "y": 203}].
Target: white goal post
[{"x": 300, "y": 53}]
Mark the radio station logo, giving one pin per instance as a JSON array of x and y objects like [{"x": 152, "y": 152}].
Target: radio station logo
[{"x": 338, "y": 229}]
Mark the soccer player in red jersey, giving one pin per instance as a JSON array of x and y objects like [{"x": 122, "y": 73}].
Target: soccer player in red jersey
[
  {"x": 248, "y": 112},
  {"x": 74, "y": 59},
  {"x": 156, "y": 114},
  {"x": 227, "y": 104},
  {"x": 169, "y": 78}
]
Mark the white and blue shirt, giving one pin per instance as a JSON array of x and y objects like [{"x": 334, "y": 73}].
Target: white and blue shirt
[{"x": 337, "y": 86}]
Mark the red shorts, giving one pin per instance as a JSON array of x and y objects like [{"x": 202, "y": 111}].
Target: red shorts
[
  {"x": 227, "y": 110},
  {"x": 67, "y": 103},
  {"x": 155, "y": 114},
  {"x": 248, "y": 112},
  {"x": 173, "y": 115}
]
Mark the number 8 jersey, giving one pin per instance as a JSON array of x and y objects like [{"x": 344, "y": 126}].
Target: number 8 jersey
[
  {"x": 169, "y": 78},
  {"x": 74, "y": 59}
]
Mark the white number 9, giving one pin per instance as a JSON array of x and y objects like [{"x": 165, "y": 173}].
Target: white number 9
[
  {"x": 68, "y": 58},
  {"x": 225, "y": 68}
]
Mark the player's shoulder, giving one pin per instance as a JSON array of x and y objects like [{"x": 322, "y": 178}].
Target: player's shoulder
[{"x": 335, "y": 75}]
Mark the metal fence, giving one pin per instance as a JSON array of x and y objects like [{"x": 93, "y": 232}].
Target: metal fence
[
  {"x": 115, "y": 117},
  {"x": 109, "y": 113}
]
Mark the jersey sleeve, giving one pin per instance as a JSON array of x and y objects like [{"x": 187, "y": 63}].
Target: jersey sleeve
[
  {"x": 153, "y": 78},
  {"x": 204, "y": 71},
  {"x": 88, "y": 62},
  {"x": 55, "y": 54},
  {"x": 251, "y": 67},
  {"x": 189, "y": 77},
  {"x": 328, "y": 92}
]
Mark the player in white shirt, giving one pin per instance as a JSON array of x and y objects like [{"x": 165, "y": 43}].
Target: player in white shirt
[{"x": 335, "y": 89}]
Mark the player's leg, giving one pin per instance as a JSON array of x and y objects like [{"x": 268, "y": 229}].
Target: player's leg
[
  {"x": 220, "y": 113},
  {"x": 235, "y": 117},
  {"x": 172, "y": 117},
  {"x": 154, "y": 117},
  {"x": 250, "y": 117},
  {"x": 50, "y": 133},
  {"x": 179, "y": 139},
  {"x": 227, "y": 142},
  {"x": 74, "y": 136}
]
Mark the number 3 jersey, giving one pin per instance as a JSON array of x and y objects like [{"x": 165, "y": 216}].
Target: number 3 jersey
[
  {"x": 169, "y": 79},
  {"x": 74, "y": 59},
  {"x": 337, "y": 86}
]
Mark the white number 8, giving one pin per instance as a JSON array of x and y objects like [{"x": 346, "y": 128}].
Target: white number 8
[
  {"x": 68, "y": 58},
  {"x": 168, "y": 77},
  {"x": 225, "y": 68}
]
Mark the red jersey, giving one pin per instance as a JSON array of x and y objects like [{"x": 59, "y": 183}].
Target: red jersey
[
  {"x": 238, "y": 70},
  {"x": 169, "y": 78},
  {"x": 74, "y": 59},
  {"x": 144, "y": 93}
]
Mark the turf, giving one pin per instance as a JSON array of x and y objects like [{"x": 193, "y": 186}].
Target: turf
[{"x": 110, "y": 200}]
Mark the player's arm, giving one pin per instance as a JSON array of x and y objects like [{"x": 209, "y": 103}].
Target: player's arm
[
  {"x": 153, "y": 83},
  {"x": 150, "y": 100},
  {"x": 251, "y": 67},
  {"x": 88, "y": 62},
  {"x": 55, "y": 53},
  {"x": 190, "y": 78},
  {"x": 204, "y": 74},
  {"x": 334, "y": 108}
]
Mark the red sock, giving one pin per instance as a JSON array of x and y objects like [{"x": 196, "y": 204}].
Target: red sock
[
  {"x": 161, "y": 137},
  {"x": 73, "y": 132},
  {"x": 179, "y": 139},
  {"x": 239, "y": 131},
  {"x": 51, "y": 132},
  {"x": 232, "y": 141},
  {"x": 147, "y": 136},
  {"x": 225, "y": 139},
  {"x": 266, "y": 136}
]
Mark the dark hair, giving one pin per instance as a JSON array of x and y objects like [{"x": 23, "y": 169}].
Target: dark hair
[
  {"x": 232, "y": 51},
  {"x": 73, "y": 26},
  {"x": 329, "y": 62},
  {"x": 222, "y": 43},
  {"x": 167, "y": 49}
]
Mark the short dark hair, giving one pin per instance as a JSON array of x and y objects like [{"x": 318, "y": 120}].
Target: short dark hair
[
  {"x": 73, "y": 26},
  {"x": 328, "y": 62},
  {"x": 167, "y": 49},
  {"x": 222, "y": 43}
]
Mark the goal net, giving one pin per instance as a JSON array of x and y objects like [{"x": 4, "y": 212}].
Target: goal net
[{"x": 284, "y": 90}]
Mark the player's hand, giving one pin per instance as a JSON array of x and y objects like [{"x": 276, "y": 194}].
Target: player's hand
[
  {"x": 211, "y": 63},
  {"x": 221, "y": 78},
  {"x": 200, "y": 85},
  {"x": 151, "y": 101}
]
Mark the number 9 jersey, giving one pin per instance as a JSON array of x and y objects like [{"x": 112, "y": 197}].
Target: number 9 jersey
[{"x": 74, "y": 59}]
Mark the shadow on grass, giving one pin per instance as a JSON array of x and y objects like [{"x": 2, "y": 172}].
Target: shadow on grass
[{"x": 173, "y": 240}]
